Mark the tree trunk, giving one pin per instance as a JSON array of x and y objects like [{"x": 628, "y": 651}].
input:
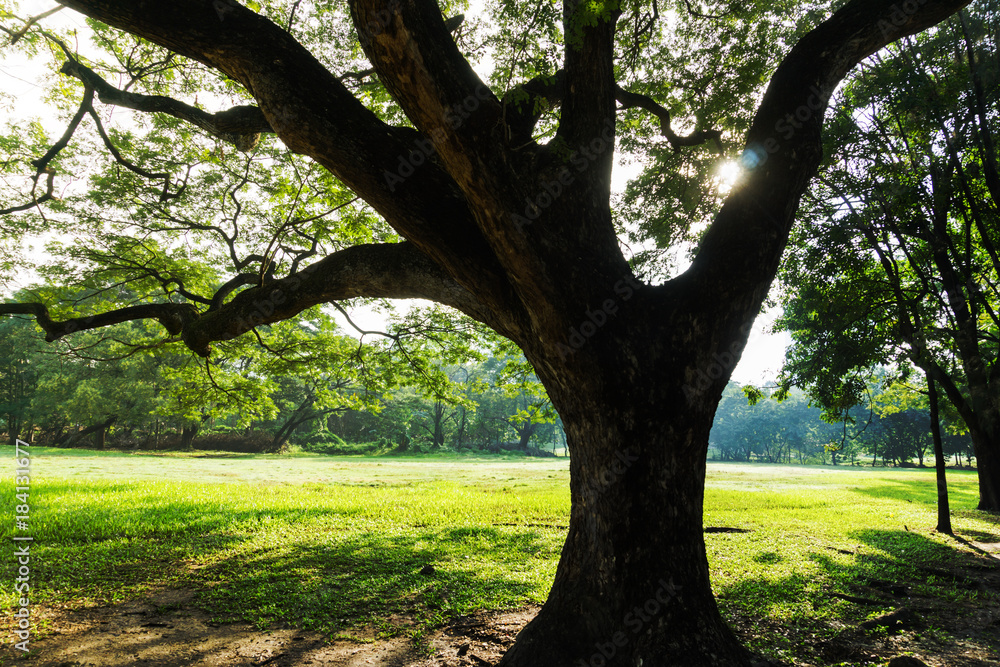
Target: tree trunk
[
  {"x": 460, "y": 435},
  {"x": 984, "y": 431},
  {"x": 988, "y": 468},
  {"x": 632, "y": 586},
  {"x": 188, "y": 434},
  {"x": 100, "y": 429},
  {"x": 524, "y": 434},
  {"x": 944, "y": 512}
]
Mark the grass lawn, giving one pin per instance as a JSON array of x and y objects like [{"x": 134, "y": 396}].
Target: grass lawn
[{"x": 336, "y": 543}]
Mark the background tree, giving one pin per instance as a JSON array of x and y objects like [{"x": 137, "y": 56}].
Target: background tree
[
  {"x": 18, "y": 376},
  {"x": 898, "y": 260},
  {"x": 504, "y": 214}
]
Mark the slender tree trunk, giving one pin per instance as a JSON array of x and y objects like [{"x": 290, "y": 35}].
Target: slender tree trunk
[
  {"x": 459, "y": 437},
  {"x": 944, "y": 512}
]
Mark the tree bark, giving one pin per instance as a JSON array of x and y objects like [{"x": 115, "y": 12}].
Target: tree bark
[
  {"x": 984, "y": 447},
  {"x": 632, "y": 585}
]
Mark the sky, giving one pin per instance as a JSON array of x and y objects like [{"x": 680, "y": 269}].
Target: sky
[{"x": 761, "y": 359}]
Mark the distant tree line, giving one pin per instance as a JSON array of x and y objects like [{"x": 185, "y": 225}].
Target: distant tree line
[
  {"x": 893, "y": 429},
  {"x": 303, "y": 384}
]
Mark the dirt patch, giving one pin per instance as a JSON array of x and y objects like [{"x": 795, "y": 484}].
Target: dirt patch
[{"x": 168, "y": 630}]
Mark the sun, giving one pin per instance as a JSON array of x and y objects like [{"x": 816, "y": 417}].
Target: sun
[{"x": 727, "y": 173}]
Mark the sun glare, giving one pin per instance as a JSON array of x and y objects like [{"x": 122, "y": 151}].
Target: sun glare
[{"x": 727, "y": 173}]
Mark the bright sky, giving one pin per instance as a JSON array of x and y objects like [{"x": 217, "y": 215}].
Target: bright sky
[{"x": 761, "y": 360}]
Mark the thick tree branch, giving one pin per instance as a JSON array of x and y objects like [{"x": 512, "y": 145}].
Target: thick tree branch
[
  {"x": 523, "y": 106},
  {"x": 173, "y": 317},
  {"x": 410, "y": 45},
  {"x": 739, "y": 254},
  {"x": 230, "y": 286},
  {"x": 380, "y": 270},
  {"x": 240, "y": 125},
  {"x": 590, "y": 78},
  {"x": 393, "y": 169},
  {"x": 377, "y": 270}
]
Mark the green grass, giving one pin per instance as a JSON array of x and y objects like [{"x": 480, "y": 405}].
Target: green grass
[
  {"x": 322, "y": 543},
  {"x": 333, "y": 543}
]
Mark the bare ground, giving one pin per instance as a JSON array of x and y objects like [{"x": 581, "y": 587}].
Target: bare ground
[{"x": 168, "y": 629}]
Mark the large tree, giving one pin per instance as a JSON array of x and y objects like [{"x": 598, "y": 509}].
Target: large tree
[{"x": 502, "y": 205}]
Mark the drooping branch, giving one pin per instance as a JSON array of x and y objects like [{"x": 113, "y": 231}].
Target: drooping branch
[
  {"x": 45, "y": 196},
  {"x": 240, "y": 125},
  {"x": 165, "y": 194},
  {"x": 42, "y": 163},
  {"x": 376, "y": 270},
  {"x": 16, "y": 35}
]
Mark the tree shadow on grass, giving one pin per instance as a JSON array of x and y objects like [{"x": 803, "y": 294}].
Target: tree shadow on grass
[
  {"x": 950, "y": 589},
  {"x": 322, "y": 567},
  {"x": 423, "y": 576}
]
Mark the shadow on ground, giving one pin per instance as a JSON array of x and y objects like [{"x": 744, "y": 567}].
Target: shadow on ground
[{"x": 949, "y": 595}]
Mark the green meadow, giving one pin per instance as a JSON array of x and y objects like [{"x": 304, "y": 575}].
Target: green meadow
[{"x": 337, "y": 543}]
